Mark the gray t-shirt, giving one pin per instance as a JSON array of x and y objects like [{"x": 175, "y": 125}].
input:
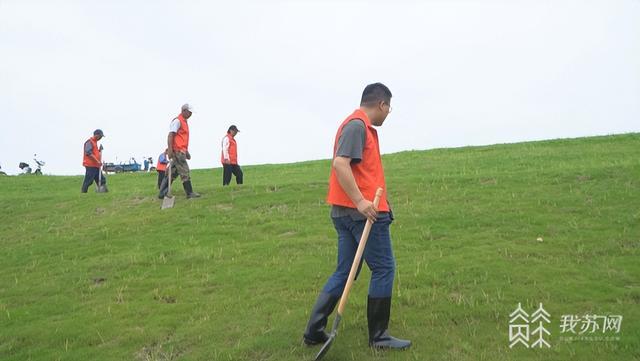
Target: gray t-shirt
[
  {"x": 351, "y": 141},
  {"x": 88, "y": 147},
  {"x": 351, "y": 145}
]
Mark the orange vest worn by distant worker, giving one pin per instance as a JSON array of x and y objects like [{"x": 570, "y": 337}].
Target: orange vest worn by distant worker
[
  {"x": 161, "y": 167},
  {"x": 181, "y": 140},
  {"x": 233, "y": 151},
  {"x": 88, "y": 161}
]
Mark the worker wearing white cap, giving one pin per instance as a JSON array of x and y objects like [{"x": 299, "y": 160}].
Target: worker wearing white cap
[{"x": 178, "y": 152}]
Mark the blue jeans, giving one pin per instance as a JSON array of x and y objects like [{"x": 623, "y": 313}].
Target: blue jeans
[{"x": 377, "y": 254}]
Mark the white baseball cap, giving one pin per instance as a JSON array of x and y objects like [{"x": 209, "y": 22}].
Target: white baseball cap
[{"x": 188, "y": 107}]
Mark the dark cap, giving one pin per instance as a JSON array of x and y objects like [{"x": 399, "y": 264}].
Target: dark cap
[
  {"x": 233, "y": 127},
  {"x": 98, "y": 132}
]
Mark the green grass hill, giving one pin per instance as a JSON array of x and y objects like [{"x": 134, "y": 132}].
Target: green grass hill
[{"x": 233, "y": 275}]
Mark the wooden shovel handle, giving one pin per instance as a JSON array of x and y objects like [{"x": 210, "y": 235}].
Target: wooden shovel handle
[
  {"x": 169, "y": 184},
  {"x": 356, "y": 259}
]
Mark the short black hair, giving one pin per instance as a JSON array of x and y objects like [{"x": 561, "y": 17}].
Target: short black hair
[{"x": 375, "y": 93}]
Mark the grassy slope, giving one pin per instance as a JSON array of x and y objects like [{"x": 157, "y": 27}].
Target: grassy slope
[{"x": 232, "y": 276}]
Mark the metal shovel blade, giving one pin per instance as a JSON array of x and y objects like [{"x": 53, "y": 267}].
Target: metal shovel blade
[
  {"x": 101, "y": 187},
  {"x": 332, "y": 337},
  {"x": 168, "y": 201}
]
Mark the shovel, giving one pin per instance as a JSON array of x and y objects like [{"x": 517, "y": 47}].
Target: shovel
[
  {"x": 168, "y": 200},
  {"x": 101, "y": 188},
  {"x": 352, "y": 276}
]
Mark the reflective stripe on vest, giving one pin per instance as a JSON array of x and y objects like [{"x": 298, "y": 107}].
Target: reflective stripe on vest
[
  {"x": 233, "y": 151},
  {"x": 368, "y": 173},
  {"x": 88, "y": 161},
  {"x": 181, "y": 139}
]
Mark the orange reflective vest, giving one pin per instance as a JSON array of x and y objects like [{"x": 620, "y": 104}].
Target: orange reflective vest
[
  {"x": 368, "y": 173},
  {"x": 181, "y": 139},
  {"x": 88, "y": 161},
  {"x": 233, "y": 151},
  {"x": 161, "y": 167}
]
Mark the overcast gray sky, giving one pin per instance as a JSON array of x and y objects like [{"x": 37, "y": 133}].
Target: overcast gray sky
[{"x": 287, "y": 72}]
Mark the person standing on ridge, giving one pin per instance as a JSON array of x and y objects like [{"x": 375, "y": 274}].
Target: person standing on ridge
[
  {"x": 229, "y": 157},
  {"x": 162, "y": 166},
  {"x": 178, "y": 152},
  {"x": 92, "y": 162}
]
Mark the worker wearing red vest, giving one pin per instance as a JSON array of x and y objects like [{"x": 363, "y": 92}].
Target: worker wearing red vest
[
  {"x": 92, "y": 161},
  {"x": 163, "y": 159},
  {"x": 178, "y": 153},
  {"x": 229, "y": 157},
  {"x": 356, "y": 173}
]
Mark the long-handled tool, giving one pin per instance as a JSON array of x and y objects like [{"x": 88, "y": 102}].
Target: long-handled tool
[
  {"x": 169, "y": 200},
  {"x": 352, "y": 276},
  {"x": 101, "y": 188}
]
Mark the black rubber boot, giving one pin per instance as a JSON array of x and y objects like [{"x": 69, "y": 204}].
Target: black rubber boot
[
  {"x": 314, "y": 334},
  {"x": 378, "y": 312},
  {"x": 189, "y": 190},
  {"x": 164, "y": 188}
]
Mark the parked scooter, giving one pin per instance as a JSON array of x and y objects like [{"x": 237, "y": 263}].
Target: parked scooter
[{"x": 26, "y": 168}]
